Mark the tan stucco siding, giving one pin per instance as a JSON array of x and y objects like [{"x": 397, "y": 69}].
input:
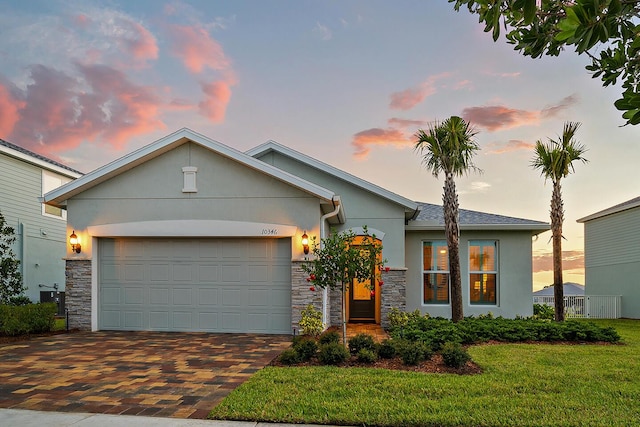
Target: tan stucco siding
[{"x": 515, "y": 279}]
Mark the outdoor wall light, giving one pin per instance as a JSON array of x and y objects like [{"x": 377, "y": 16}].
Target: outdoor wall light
[
  {"x": 305, "y": 243},
  {"x": 75, "y": 243}
]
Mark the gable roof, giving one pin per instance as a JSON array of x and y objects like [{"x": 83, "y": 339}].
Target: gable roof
[
  {"x": 569, "y": 288},
  {"x": 59, "y": 196},
  {"x": 36, "y": 159},
  {"x": 431, "y": 217},
  {"x": 269, "y": 146},
  {"x": 629, "y": 204}
]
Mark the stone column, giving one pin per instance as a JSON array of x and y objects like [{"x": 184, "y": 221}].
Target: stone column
[
  {"x": 301, "y": 295},
  {"x": 393, "y": 293},
  {"x": 78, "y": 293}
]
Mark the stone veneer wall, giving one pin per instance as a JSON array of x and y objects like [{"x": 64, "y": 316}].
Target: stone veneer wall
[
  {"x": 301, "y": 295},
  {"x": 78, "y": 293},
  {"x": 393, "y": 293}
]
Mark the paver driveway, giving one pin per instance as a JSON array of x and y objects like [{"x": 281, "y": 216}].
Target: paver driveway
[{"x": 135, "y": 373}]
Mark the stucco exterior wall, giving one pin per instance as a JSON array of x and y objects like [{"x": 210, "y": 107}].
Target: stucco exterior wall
[
  {"x": 612, "y": 258},
  {"x": 515, "y": 277},
  {"x": 361, "y": 206},
  {"x": 40, "y": 239},
  {"x": 227, "y": 190}
]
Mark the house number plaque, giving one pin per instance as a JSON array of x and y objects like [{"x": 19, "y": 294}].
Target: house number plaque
[{"x": 269, "y": 231}]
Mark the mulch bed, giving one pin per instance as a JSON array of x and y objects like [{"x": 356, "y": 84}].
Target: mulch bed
[
  {"x": 433, "y": 366},
  {"x": 4, "y": 339}
]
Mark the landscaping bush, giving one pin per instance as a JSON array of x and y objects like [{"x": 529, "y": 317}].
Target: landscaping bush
[
  {"x": 454, "y": 355},
  {"x": 414, "y": 352},
  {"x": 360, "y": 342},
  {"x": 306, "y": 348},
  {"x": 386, "y": 349},
  {"x": 27, "y": 319},
  {"x": 330, "y": 337},
  {"x": 543, "y": 311},
  {"x": 333, "y": 354},
  {"x": 366, "y": 355},
  {"x": 311, "y": 321},
  {"x": 289, "y": 357},
  {"x": 472, "y": 330},
  {"x": 20, "y": 300}
]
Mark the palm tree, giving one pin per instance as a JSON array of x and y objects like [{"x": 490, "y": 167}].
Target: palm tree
[
  {"x": 448, "y": 148},
  {"x": 555, "y": 161}
]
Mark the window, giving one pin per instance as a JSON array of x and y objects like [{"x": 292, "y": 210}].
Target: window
[
  {"x": 51, "y": 181},
  {"x": 435, "y": 273},
  {"x": 483, "y": 273}
]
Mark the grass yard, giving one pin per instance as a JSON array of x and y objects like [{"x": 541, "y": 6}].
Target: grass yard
[{"x": 522, "y": 384}]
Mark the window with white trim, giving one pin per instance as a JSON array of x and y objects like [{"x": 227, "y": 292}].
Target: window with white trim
[
  {"x": 483, "y": 272},
  {"x": 51, "y": 181},
  {"x": 435, "y": 272}
]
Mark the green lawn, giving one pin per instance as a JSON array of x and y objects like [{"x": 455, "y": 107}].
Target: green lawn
[{"x": 522, "y": 384}]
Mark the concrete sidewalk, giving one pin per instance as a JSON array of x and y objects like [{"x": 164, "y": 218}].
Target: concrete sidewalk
[{"x": 26, "y": 418}]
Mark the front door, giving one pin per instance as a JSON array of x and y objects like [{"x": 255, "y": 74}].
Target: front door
[{"x": 362, "y": 301}]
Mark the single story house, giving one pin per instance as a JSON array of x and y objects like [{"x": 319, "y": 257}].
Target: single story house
[
  {"x": 40, "y": 230},
  {"x": 569, "y": 289},
  {"x": 612, "y": 254},
  {"x": 188, "y": 234}
]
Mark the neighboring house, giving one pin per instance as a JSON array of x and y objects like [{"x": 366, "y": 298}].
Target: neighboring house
[
  {"x": 569, "y": 289},
  {"x": 40, "y": 229},
  {"x": 612, "y": 254},
  {"x": 187, "y": 234}
]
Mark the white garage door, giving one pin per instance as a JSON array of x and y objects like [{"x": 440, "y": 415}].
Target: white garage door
[{"x": 214, "y": 285}]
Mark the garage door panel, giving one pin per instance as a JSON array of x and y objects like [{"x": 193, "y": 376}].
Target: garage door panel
[
  {"x": 216, "y": 285},
  {"x": 133, "y": 296}
]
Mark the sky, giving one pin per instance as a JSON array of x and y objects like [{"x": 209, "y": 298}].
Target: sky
[{"x": 347, "y": 82}]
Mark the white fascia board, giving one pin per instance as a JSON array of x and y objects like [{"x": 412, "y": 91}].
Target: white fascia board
[
  {"x": 409, "y": 205},
  {"x": 39, "y": 162},
  {"x": 61, "y": 194},
  {"x": 610, "y": 211},
  {"x": 192, "y": 228}
]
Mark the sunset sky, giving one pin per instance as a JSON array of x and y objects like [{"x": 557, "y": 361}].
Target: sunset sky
[{"x": 347, "y": 82}]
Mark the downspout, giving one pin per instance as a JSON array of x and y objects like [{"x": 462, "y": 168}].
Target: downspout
[{"x": 325, "y": 293}]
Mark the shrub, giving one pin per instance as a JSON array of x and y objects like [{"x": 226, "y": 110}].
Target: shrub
[
  {"x": 306, "y": 348},
  {"x": 386, "y": 349},
  {"x": 333, "y": 354},
  {"x": 360, "y": 342},
  {"x": 366, "y": 355},
  {"x": 27, "y": 319},
  {"x": 543, "y": 311},
  {"x": 289, "y": 357},
  {"x": 20, "y": 300},
  {"x": 399, "y": 319},
  {"x": 414, "y": 352},
  {"x": 454, "y": 355},
  {"x": 330, "y": 337},
  {"x": 311, "y": 321}
]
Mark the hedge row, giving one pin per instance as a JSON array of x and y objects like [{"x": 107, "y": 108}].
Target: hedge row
[
  {"x": 471, "y": 330},
  {"x": 27, "y": 319}
]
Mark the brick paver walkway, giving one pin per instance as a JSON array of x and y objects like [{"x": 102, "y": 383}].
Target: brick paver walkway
[{"x": 180, "y": 375}]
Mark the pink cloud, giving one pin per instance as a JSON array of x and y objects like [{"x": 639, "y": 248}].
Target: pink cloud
[
  {"x": 571, "y": 260},
  {"x": 197, "y": 50},
  {"x": 404, "y": 123},
  {"x": 409, "y": 98},
  {"x": 9, "y": 111},
  {"x": 362, "y": 141},
  {"x": 498, "y": 117},
  {"x": 59, "y": 112},
  {"x": 217, "y": 95},
  {"x": 510, "y": 146},
  {"x": 82, "y": 20},
  {"x": 140, "y": 43}
]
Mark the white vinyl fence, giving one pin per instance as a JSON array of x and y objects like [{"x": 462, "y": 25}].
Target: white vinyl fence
[{"x": 587, "y": 306}]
